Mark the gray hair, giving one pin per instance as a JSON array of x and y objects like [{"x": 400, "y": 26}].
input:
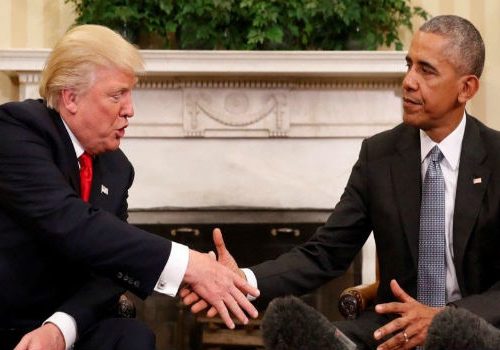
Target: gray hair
[{"x": 466, "y": 47}]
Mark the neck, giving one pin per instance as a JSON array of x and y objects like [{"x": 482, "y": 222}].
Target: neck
[{"x": 439, "y": 133}]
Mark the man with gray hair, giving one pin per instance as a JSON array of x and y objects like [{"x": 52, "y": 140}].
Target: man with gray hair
[
  {"x": 66, "y": 251},
  {"x": 428, "y": 190}
]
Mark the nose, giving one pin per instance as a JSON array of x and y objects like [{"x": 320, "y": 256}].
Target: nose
[
  {"x": 127, "y": 110},
  {"x": 410, "y": 82}
]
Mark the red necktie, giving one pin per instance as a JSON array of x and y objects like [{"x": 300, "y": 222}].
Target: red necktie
[{"x": 85, "y": 175}]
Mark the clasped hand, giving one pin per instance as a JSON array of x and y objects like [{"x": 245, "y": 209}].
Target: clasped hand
[{"x": 227, "y": 291}]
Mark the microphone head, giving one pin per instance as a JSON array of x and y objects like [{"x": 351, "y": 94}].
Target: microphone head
[
  {"x": 458, "y": 328},
  {"x": 289, "y": 324}
]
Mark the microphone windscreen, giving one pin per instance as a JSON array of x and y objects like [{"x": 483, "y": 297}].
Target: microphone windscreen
[
  {"x": 458, "y": 328},
  {"x": 290, "y": 324}
]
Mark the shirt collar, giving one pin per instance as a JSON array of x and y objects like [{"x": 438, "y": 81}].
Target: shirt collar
[
  {"x": 450, "y": 146},
  {"x": 76, "y": 144}
]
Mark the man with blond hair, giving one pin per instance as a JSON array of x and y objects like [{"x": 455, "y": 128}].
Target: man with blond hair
[{"x": 66, "y": 251}]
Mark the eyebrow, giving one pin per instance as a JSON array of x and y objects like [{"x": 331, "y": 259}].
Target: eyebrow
[{"x": 422, "y": 63}]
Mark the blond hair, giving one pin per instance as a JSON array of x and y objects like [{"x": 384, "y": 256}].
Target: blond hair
[{"x": 78, "y": 53}]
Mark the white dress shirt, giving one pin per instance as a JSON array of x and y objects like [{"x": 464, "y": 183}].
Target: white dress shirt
[
  {"x": 451, "y": 148},
  {"x": 168, "y": 282}
]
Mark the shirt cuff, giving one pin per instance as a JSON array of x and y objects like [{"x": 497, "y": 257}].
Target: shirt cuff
[
  {"x": 252, "y": 280},
  {"x": 67, "y": 326},
  {"x": 173, "y": 273}
]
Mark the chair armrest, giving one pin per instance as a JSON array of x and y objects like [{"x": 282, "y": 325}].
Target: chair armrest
[
  {"x": 125, "y": 307},
  {"x": 354, "y": 300}
]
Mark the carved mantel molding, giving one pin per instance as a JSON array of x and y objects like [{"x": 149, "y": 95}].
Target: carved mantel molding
[{"x": 251, "y": 93}]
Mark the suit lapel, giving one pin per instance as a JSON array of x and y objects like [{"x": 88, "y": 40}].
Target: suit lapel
[
  {"x": 470, "y": 191},
  {"x": 97, "y": 197},
  {"x": 406, "y": 175}
]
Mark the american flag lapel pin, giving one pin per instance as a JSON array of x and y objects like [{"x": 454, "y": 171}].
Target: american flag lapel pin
[
  {"x": 104, "y": 190},
  {"x": 476, "y": 180}
]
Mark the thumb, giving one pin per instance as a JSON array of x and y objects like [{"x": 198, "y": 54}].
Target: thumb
[
  {"x": 219, "y": 242},
  {"x": 23, "y": 344},
  {"x": 399, "y": 293}
]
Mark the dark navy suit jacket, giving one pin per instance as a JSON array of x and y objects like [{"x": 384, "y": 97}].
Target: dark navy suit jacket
[{"x": 58, "y": 253}]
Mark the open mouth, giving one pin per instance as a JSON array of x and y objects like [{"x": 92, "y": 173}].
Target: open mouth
[{"x": 121, "y": 131}]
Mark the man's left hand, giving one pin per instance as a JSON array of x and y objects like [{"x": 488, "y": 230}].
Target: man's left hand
[
  {"x": 46, "y": 337},
  {"x": 410, "y": 329}
]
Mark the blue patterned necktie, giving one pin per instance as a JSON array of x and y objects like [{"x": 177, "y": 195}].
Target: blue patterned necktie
[{"x": 431, "y": 287}]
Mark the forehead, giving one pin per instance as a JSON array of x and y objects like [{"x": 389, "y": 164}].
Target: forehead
[
  {"x": 431, "y": 48},
  {"x": 112, "y": 77}
]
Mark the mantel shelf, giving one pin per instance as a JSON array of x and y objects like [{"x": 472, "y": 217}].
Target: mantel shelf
[{"x": 251, "y": 63}]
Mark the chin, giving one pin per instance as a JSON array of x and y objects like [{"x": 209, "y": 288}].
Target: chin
[
  {"x": 409, "y": 119},
  {"x": 412, "y": 120},
  {"x": 111, "y": 147}
]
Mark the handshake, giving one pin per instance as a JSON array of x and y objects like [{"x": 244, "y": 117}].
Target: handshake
[{"x": 218, "y": 283}]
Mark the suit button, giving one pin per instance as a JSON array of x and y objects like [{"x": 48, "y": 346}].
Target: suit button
[
  {"x": 137, "y": 284},
  {"x": 125, "y": 278},
  {"x": 119, "y": 275},
  {"x": 130, "y": 281}
]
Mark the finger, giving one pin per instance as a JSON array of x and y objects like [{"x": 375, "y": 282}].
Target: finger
[
  {"x": 224, "y": 314},
  {"x": 415, "y": 336},
  {"x": 219, "y": 242},
  {"x": 184, "y": 292},
  {"x": 245, "y": 287},
  {"x": 234, "y": 307},
  {"x": 399, "y": 293},
  {"x": 212, "y": 312},
  {"x": 391, "y": 308},
  {"x": 199, "y": 306},
  {"x": 411, "y": 335},
  {"x": 395, "y": 326},
  {"x": 398, "y": 341},
  {"x": 191, "y": 298},
  {"x": 23, "y": 344},
  {"x": 245, "y": 304}
]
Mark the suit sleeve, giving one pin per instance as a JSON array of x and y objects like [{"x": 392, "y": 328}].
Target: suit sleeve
[
  {"x": 35, "y": 193},
  {"x": 329, "y": 252},
  {"x": 484, "y": 304}
]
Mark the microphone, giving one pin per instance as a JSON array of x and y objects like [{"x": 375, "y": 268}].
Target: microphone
[
  {"x": 458, "y": 328},
  {"x": 289, "y": 324}
]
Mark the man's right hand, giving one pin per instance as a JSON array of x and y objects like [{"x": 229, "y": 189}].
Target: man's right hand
[
  {"x": 220, "y": 284},
  {"x": 46, "y": 337},
  {"x": 190, "y": 297}
]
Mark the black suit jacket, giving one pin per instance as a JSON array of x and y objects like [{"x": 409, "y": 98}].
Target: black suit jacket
[
  {"x": 383, "y": 195},
  {"x": 58, "y": 253}
]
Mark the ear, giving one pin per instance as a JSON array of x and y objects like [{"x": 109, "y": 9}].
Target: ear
[
  {"x": 69, "y": 100},
  {"x": 469, "y": 84}
]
